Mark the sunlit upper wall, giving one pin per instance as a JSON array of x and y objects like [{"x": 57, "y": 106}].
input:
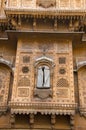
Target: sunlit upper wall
[{"x": 43, "y": 4}]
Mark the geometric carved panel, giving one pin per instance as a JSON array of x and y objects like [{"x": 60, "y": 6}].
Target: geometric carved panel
[
  {"x": 62, "y": 60},
  {"x": 64, "y": 3},
  {"x": 4, "y": 84},
  {"x": 62, "y": 83},
  {"x": 13, "y": 2},
  {"x": 23, "y": 92},
  {"x": 78, "y": 3},
  {"x": 26, "y": 3},
  {"x": 62, "y": 71},
  {"x": 62, "y": 93},
  {"x": 23, "y": 81},
  {"x": 26, "y": 59}
]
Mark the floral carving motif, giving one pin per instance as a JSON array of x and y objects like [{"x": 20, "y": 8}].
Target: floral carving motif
[
  {"x": 25, "y": 69},
  {"x": 24, "y": 81}
]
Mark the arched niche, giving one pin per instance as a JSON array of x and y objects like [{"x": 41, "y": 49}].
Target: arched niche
[
  {"x": 6, "y": 79},
  {"x": 43, "y": 77},
  {"x": 81, "y": 65}
]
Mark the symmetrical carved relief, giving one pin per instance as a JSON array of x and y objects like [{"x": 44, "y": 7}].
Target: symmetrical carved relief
[
  {"x": 64, "y": 3},
  {"x": 13, "y": 2},
  {"x": 46, "y": 3},
  {"x": 78, "y": 3},
  {"x": 63, "y": 47},
  {"x": 43, "y": 93},
  {"x": 62, "y": 60},
  {"x": 62, "y": 93},
  {"x": 23, "y": 81},
  {"x": 43, "y": 79},
  {"x": 25, "y": 69},
  {"x": 26, "y": 3},
  {"x": 23, "y": 92},
  {"x": 62, "y": 71},
  {"x": 26, "y": 59},
  {"x": 45, "y": 47},
  {"x": 4, "y": 84}
]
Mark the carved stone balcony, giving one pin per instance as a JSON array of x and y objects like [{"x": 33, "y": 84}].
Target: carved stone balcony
[
  {"x": 46, "y": 3},
  {"x": 43, "y": 93}
]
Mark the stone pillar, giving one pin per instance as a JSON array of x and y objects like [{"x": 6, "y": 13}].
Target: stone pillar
[
  {"x": 31, "y": 120},
  {"x": 12, "y": 120},
  {"x": 53, "y": 120},
  {"x": 72, "y": 122}
]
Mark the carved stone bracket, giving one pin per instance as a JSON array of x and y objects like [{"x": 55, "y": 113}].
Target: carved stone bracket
[
  {"x": 46, "y": 3},
  {"x": 43, "y": 93}
]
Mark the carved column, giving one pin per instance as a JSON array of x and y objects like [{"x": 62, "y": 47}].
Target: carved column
[
  {"x": 72, "y": 122},
  {"x": 31, "y": 120},
  {"x": 12, "y": 120},
  {"x": 53, "y": 120},
  {"x": 34, "y": 23},
  {"x": 55, "y": 24},
  {"x": 71, "y": 28}
]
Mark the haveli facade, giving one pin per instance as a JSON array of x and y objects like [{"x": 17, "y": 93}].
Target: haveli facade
[{"x": 43, "y": 64}]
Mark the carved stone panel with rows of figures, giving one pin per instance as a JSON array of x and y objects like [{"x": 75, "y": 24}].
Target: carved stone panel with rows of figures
[
  {"x": 34, "y": 58},
  {"x": 82, "y": 85}
]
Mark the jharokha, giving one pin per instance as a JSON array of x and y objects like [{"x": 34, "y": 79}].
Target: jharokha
[{"x": 42, "y": 64}]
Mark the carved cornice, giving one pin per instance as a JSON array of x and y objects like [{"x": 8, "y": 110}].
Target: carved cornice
[
  {"x": 3, "y": 109},
  {"x": 82, "y": 111},
  {"x": 44, "y": 108},
  {"x": 49, "y": 111},
  {"x": 47, "y": 12}
]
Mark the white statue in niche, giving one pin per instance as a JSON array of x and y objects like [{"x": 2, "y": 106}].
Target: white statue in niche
[{"x": 43, "y": 77}]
